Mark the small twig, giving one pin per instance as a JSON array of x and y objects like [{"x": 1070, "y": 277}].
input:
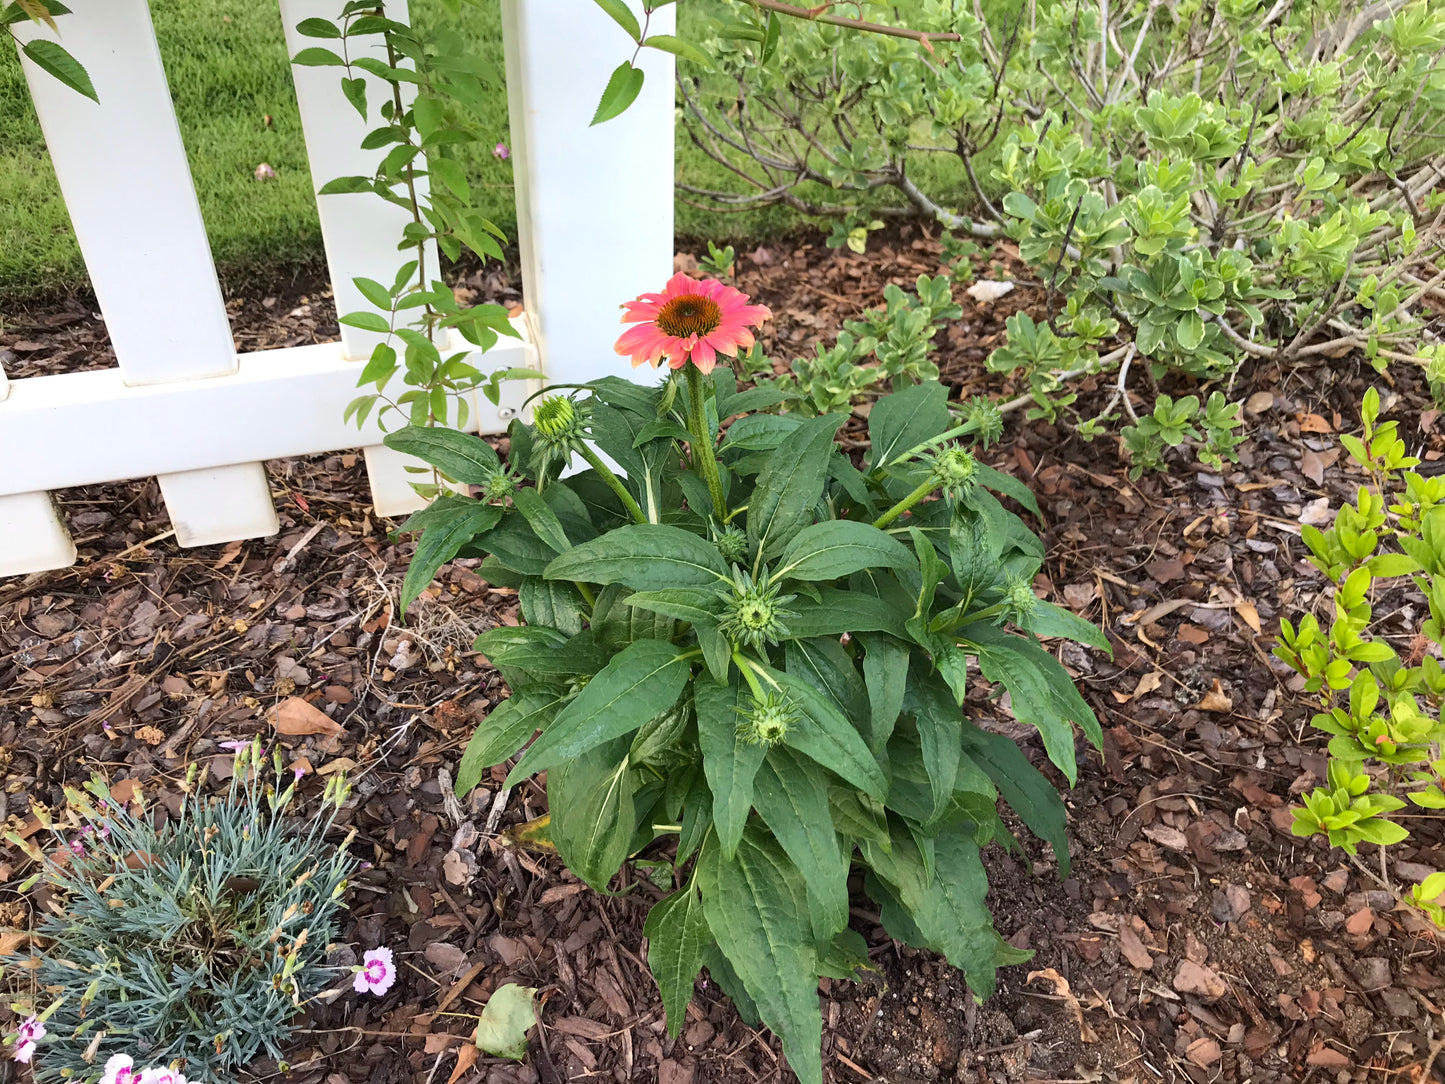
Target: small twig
[{"x": 818, "y": 14}]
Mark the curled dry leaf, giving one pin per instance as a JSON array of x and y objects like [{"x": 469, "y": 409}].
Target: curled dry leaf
[
  {"x": 1062, "y": 991},
  {"x": 1216, "y": 699}
]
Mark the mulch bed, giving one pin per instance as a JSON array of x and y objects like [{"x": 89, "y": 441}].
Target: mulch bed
[{"x": 1193, "y": 939}]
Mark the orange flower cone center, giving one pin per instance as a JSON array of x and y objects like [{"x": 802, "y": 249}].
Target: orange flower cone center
[{"x": 689, "y": 315}]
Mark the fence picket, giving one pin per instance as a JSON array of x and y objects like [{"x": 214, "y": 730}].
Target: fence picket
[
  {"x": 595, "y": 226},
  {"x": 127, "y": 185}
]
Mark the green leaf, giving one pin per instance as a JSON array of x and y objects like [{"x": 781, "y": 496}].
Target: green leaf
[
  {"x": 508, "y": 1016},
  {"x": 791, "y": 484},
  {"x": 729, "y": 762},
  {"x": 1008, "y": 485},
  {"x": 904, "y": 420},
  {"x": 317, "y": 57},
  {"x": 621, "y": 91},
  {"x": 837, "y": 611},
  {"x": 366, "y": 321},
  {"x": 757, "y": 907},
  {"x": 593, "y": 822},
  {"x": 940, "y": 724},
  {"x": 506, "y": 729},
  {"x": 553, "y": 603},
  {"x": 55, "y": 60},
  {"x": 1189, "y": 331},
  {"x": 622, "y": 15},
  {"x": 540, "y": 651},
  {"x": 885, "y": 672},
  {"x": 318, "y": 28},
  {"x": 837, "y": 547},
  {"x": 355, "y": 92},
  {"x": 461, "y": 456},
  {"x": 1040, "y": 691},
  {"x": 1023, "y": 786},
  {"x": 342, "y": 185},
  {"x": 791, "y": 795},
  {"x": 374, "y": 292},
  {"x": 441, "y": 540},
  {"x": 947, "y": 908},
  {"x": 642, "y": 680},
  {"x": 544, "y": 521},
  {"x": 684, "y": 603},
  {"x": 825, "y": 734},
  {"x": 677, "y": 942},
  {"x": 1048, "y": 620},
  {"x": 678, "y": 48},
  {"x": 642, "y": 556}
]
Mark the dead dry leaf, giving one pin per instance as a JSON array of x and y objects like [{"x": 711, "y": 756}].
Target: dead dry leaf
[
  {"x": 1259, "y": 402},
  {"x": 1314, "y": 464},
  {"x": 1313, "y": 423},
  {"x": 1133, "y": 948},
  {"x": 466, "y": 1058},
  {"x": 1316, "y": 512},
  {"x": 1216, "y": 699},
  {"x": 295, "y": 718},
  {"x": 1061, "y": 990},
  {"x": 1249, "y": 614}
]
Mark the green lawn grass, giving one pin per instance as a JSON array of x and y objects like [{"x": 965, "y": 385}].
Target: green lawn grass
[{"x": 228, "y": 70}]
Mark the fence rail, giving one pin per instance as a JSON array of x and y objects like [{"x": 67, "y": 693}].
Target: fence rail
[{"x": 594, "y": 227}]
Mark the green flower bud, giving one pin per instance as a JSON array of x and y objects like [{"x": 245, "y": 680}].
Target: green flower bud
[
  {"x": 556, "y": 417},
  {"x": 983, "y": 418},
  {"x": 559, "y": 425},
  {"x": 732, "y": 543},
  {"x": 1019, "y": 599},
  {"x": 955, "y": 470},
  {"x": 499, "y": 484},
  {"x": 768, "y": 720},
  {"x": 754, "y": 612}
]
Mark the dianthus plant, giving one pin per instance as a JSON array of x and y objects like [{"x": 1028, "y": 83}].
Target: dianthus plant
[
  {"x": 748, "y": 654},
  {"x": 188, "y": 946}
]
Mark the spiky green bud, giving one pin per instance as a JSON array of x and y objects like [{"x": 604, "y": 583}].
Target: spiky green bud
[
  {"x": 983, "y": 418},
  {"x": 955, "y": 470},
  {"x": 767, "y": 720},
  {"x": 1019, "y": 598},
  {"x": 732, "y": 543},
  {"x": 754, "y": 612}
]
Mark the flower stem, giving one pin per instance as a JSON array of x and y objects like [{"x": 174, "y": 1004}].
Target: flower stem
[
  {"x": 605, "y": 473},
  {"x": 925, "y": 487},
  {"x": 702, "y": 449}
]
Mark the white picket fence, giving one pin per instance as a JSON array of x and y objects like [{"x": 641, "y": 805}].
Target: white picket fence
[{"x": 595, "y": 228}]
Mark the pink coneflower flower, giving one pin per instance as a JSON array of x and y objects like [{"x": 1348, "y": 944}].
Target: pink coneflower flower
[
  {"x": 120, "y": 1069},
  {"x": 689, "y": 321},
  {"x": 376, "y": 973},
  {"x": 501, "y": 151},
  {"x": 162, "y": 1076}
]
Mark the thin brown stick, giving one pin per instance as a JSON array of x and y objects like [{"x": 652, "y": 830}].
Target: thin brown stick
[{"x": 819, "y": 15}]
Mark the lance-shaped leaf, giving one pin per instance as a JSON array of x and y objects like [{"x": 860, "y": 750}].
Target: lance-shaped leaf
[
  {"x": 644, "y": 557},
  {"x": 642, "y": 681},
  {"x": 677, "y": 942},
  {"x": 729, "y": 762}
]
